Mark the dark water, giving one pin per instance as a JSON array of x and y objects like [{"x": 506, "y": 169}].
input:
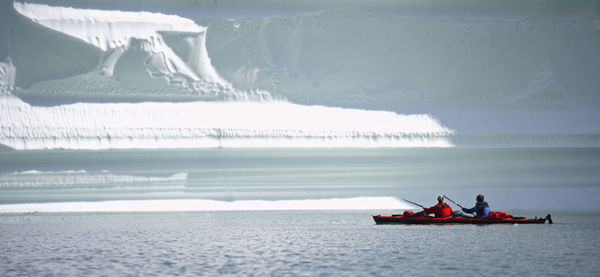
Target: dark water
[{"x": 290, "y": 243}]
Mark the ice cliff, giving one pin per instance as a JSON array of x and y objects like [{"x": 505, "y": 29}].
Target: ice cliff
[
  {"x": 117, "y": 56},
  {"x": 140, "y": 56},
  {"x": 210, "y": 124},
  {"x": 329, "y": 73}
]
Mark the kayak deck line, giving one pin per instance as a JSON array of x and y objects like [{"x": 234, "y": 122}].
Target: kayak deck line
[{"x": 400, "y": 219}]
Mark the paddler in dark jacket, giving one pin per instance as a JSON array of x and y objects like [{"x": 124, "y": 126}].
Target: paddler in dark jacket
[
  {"x": 440, "y": 210},
  {"x": 481, "y": 207}
]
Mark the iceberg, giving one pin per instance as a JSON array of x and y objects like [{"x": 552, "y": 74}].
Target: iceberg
[
  {"x": 138, "y": 56},
  {"x": 145, "y": 74},
  {"x": 170, "y": 96}
]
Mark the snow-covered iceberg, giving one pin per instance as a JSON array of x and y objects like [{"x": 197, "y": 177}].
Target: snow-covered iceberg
[
  {"x": 150, "y": 75},
  {"x": 144, "y": 56},
  {"x": 137, "y": 56}
]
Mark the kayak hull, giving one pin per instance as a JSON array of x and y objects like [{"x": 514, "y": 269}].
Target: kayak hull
[{"x": 399, "y": 219}]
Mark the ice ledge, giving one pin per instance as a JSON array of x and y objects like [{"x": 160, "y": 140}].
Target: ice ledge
[
  {"x": 210, "y": 124},
  {"x": 105, "y": 29},
  {"x": 370, "y": 203}
]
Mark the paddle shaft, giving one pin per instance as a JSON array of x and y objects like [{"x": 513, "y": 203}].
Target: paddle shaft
[
  {"x": 452, "y": 201},
  {"x": 412, "y": 202}
]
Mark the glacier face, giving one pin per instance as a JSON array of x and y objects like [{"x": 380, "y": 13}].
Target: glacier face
[
  {"x": 161, "y": 58},
  {"x": 349, "y": 57},
  {"x": 499, "y": 73},
  {"x": 541, "y": 58},
  {"x": 210, "y": 124},
  {"x": 140, "y": 56}
]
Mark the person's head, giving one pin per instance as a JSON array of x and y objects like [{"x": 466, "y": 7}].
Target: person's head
[
  {"x": 440, "y": 199},
  {"x": 479, "y": 197}
]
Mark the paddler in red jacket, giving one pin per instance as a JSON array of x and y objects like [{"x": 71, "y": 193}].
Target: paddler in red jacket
[{"x": 440, "y": 210}]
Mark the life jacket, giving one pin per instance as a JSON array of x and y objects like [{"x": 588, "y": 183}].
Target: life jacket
[
  {"x": 445, "y": 210},
  {"x": 481, "y": 206}
]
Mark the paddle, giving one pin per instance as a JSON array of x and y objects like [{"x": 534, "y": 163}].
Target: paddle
[
  {"x": 411, "y": 202},
  {"x": 452, "y": 201}
]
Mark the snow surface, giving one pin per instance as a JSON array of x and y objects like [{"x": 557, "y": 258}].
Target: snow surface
[{"x": 210, "y": 124}]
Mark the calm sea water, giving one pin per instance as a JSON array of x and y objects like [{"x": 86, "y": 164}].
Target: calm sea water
[
  {"x": 511, "y": 178},
  {"x": 290, "y": 243},
  {"x": 521, "y": 181}
]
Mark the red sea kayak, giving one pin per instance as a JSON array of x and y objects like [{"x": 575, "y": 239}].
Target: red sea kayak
[{"x": 399, "y": 219}]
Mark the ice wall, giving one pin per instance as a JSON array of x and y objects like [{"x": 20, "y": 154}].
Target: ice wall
[
  {"x": 507, "y": 73},
  {"x": 499, "y": 73},
  {"x": 354, "y": 57},
  {"x": 39, "y": 54},
  {"x": 151, "y": 56},
  {"x": 210, "y": 124},
  {"x": 143, "y": 30},
  {"x": 394, "y": 55},
  {"x": 137, "y": 56},
  {"x": 7, "y": 75}
]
